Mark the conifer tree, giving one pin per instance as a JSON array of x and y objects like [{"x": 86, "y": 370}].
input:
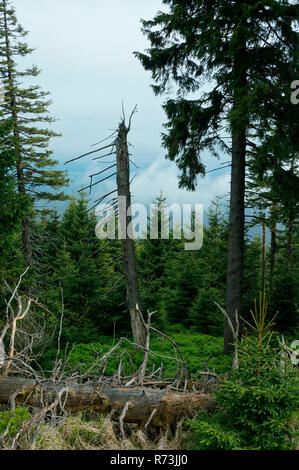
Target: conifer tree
[
  {"x": 273, "y": 190},
  {"x": 252, "y": 273},
  {"x": 242, "y": 50},
  {"x": 182, "y": 285},
  {"x": 284, "y": 292},
  {"x": 13, "y": 206},
  {"x": 76, "y": 262},
  {"x": 27, "y": 108},
  {"x": 212, "y": 259},
  {"x": 152, "y": 258}
]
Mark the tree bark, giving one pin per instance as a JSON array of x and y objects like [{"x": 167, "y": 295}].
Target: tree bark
[
  {"x": 290, "y": 241},
  {"x": 171, "y": 407},
  {"x": 235, "y": 264},
  {"x": 128, "y": 244},
  {"x": 273, "y": 249},
  {"x": 236, "y": 238},
  {"x": 264, "y": 256}
]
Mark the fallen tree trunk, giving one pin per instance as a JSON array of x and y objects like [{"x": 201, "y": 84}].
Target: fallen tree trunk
[{"x": 73, "y": 397}]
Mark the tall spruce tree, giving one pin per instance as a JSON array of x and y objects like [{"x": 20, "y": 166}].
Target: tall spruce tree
[
  {"x": 241, "y": 49},
  {"x": 27, "y": 108},
  {"x": 273, "y": 189},
  {"x": 13, "y": 206}
]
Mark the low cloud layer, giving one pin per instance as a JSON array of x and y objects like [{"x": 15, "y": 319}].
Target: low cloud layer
[{"x": 161, "y": 175}]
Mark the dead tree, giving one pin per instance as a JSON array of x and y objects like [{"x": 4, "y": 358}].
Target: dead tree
[
  {"x": 75, "y": 397},
  {"x": 128, "y": 245},
  {"x": 12, "y": 317},
  {"x": 118, "y": 148},
  {"x": 143, "y": 397},
  {"x": 235, "y": 334},
  {"x": 23, "y": 340}
]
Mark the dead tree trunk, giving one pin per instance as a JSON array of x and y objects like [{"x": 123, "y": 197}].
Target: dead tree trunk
[
  {"x": 74, "y": 397},
  {"x": 128, "y": 246}
]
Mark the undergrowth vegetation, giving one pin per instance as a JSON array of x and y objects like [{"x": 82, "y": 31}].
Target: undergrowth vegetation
[
  {"x": 198, "y": 350},
  {"x": 82, "y": 432},
  {"x": 258, "y": 402}
]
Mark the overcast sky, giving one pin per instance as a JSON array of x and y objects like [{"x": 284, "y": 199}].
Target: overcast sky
[{"x": 85, "y": 50}]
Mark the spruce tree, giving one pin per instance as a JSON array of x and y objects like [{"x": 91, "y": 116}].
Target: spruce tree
[
  {"x": 82, "y": 266},
  {"x": 272, "y": 189},
  {"x": 212, "y": 261},
  {"x": 152, "y": 258},
  {"x": 242, "y": 50},
  {"x": 284, "y": 292},
  {"x": 13, "y": 205},
  {"x": 182, "y": 286},
  {"x": 27, "y": 108}
]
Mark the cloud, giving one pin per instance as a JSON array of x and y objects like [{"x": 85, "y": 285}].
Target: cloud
[
  {"x": 85, "y": 50},
  {"x": 162, "y": 175}
]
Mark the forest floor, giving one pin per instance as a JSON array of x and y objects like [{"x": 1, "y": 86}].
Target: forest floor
[
  {"x": 200, "y": 351},
  {"x": 94, "y": 431},
  {"x": 80, "y": 433},
  {"x": 91, "y": 430}
]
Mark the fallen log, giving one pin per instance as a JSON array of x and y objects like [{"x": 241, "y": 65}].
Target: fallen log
[{"x": 73, "y": 397}]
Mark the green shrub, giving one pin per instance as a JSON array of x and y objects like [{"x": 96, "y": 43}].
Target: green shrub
[
  {"x": 196, "y": 348},
  {"x": 258, "y": 401},
  {"x": 211, "y": 436},
  {"x": 256, "y": 410},
  {"x": 12, "y": 421}
]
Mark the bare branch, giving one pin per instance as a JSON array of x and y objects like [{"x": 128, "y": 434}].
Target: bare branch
[
  {"x": 121, "y": 419},
  {"x": 89, "y": 153}
]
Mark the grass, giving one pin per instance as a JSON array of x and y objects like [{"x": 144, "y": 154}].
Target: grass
[{"x": 77, "y": 433}]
